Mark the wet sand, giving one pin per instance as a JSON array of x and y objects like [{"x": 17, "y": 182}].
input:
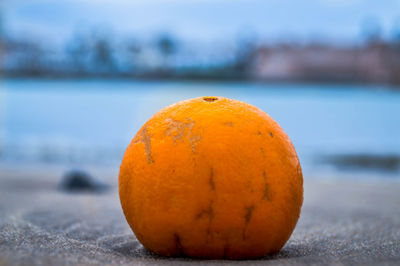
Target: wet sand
[{"x": 342, "y": 222}]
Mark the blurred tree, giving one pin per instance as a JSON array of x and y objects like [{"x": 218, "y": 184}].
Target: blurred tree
[
  {"x": 134, "y": 51},
  {"x": 393, "y": 58},
  {"x": 166, "y": 46},
  {"x": 2, "y": 42},
  {"x": 78, "y": 51},
  {"x": 371, "y": 30},
  {"x": 103, "y": 56},
  {"x": 2, "y": 30},
  {"x": 32, "y": 59},
  {"x": 395, "y": 32},
  {"x": 245, "y": 50}
]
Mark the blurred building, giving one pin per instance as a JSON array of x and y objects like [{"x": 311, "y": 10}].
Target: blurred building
[{"x": 372, "y": 63}]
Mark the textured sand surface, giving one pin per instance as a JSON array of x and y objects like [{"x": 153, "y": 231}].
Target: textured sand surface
[{"x": 341, "y": 223}]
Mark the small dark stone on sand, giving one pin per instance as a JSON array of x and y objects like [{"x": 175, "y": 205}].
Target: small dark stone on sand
[{"x": 81, "y": 181}]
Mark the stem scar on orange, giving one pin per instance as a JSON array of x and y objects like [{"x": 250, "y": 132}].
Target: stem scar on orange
[{"x": 211, "y": 177}]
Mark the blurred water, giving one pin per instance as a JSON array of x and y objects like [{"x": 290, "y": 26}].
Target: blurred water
[{"x": 77, "y": 122}]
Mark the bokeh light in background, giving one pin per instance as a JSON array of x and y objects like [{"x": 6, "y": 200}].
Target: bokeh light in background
[{"x": 81, "y": 77}]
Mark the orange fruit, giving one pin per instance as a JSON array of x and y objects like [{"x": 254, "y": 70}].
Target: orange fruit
[{"x": 211, "y": 177}]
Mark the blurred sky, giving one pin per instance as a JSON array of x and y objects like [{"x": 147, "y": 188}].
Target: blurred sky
[{"x": 193, "y": 20}]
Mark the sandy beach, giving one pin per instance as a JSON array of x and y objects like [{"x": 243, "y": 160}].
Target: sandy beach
[{"x": 342, "y": 222}]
